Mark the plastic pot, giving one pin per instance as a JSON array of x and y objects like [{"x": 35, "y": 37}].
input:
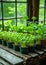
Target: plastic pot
[
  {"x": 9, "y": 45},
  {"x": 24, "y": 50},
  {"x": 0, "y": 41},
  {"x": 38, "y": 47},
  {"x": 16, "y": 47},
  {"x": 43, "y": 43},
  {"x": 31, "y": 48},
  {"x": 4, "y": 43}
]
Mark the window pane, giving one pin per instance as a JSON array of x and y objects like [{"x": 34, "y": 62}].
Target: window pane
[
  {"x": 21, "y": 22},
  {"x": 0, "y": 11},
  {"x": 41, "y": 14},
  {"x": 0, "y": 25},
  {"x": 22, "y": 0},
  {"x": 45, "y": 13},
  {"x": 45, "y": 10},
  {"x": 42, "y": 3},
  {"x": 12, "y": 21},
  {"x": 21, "y": 9},
  {"x": 8, "y": 23},
  {"x": 9, "y": 10},
  {"x": 8, "y": 0}
]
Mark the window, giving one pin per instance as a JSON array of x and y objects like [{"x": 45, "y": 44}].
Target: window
[
  {"x": 14, "y": 10},
  {"x": 45, "y": 12},
  {"x": 42, "y": 8}
]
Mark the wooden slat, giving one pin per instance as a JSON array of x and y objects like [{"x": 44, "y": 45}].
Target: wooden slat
[
  {"x": 39, "y": 52},
  {"x": 44, "y": 50},
  {"x": 23, "y": 56},
  {"x": 3, "y": 62},
  {"x": 32, "y": 58},
  {"x": 33, "y": 54},
  {"x": 12, "y": 59}
]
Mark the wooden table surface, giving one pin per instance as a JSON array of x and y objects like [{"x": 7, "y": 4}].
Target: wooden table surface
[{"x": 30, "y": 59}]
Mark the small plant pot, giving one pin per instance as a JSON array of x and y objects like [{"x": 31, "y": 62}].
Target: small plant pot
[
  {"x": 16, "y": 47},
  {"x": 31, "y": 48},
  {"x": 43, "y": 43},
  {"x": 23, "y": 50},
  {"x": 4, "y": 43},
  {"x": 38, "y": 47},
  {"x": 0, "y": 41},
  {"x": 9, "y": 45}
]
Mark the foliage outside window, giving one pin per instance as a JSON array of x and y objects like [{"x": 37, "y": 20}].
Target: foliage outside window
[
  {"x": 42, "y": 11},
  {"x": 13, "y": 10}
]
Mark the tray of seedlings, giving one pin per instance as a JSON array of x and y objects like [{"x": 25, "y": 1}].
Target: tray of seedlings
[{"x": 28, "y": 43}]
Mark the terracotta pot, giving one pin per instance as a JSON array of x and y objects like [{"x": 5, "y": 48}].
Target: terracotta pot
[{"x": 43, "y": 43}]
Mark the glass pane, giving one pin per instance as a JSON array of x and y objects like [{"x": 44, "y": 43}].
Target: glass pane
[
  {"x": 45, "y": 9},
  {"x": 12, "y": 21},
  {"x": 0, "y": 11},
  {"x": 41, "y": 14},
  {"x": 9, "y": 10},
  {"x": 8, "y": 24},
  {"x": 42, "y": 3},
  {"x": 21, "y": 0},
  {"x": 8, "y": 0},
  {"x": 21, "y": 9},
  {"x": 21, "y": 22},
  {"x": 0, "y": 25},
  {"x": 45, "y": 13}
]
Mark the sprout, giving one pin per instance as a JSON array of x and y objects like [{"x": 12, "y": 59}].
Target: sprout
[{"x": 33, "y": 18}]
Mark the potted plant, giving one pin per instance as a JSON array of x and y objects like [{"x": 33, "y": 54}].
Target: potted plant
[
  {"x": 31, "y": 44},
  {"x": 16, "y": 42},
  {"x": 4, "y": 37},
  {"x": 16, "y": 46},
  {"x": 23, "y": 45},
  {"x": 23, "y": 48},
  {"x": 10, "y": 40},
  {"x": 43, "y": 41},
  {"x": 38, "y": 42}
]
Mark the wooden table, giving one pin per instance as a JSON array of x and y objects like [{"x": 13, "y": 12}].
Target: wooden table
[{"x": 33, "y": 58}]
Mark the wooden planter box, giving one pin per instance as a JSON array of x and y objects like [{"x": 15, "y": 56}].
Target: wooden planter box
[{"x": 43, "y": 43}]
